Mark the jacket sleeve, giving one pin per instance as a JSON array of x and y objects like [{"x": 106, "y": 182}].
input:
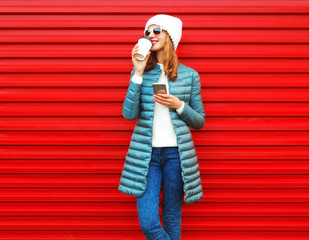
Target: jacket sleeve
[
  {"x": 193, "y": 113},
  {"x": 131, "y": 104}
]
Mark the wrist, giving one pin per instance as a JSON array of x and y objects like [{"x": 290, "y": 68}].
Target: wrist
[
  {"x": 139, "y": 73},
  {"x": 179, "y": 104},
  {"x": 180, "y": 110}
]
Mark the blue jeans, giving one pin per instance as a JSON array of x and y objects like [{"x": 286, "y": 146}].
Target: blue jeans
[{"x": 165, "y": 168}]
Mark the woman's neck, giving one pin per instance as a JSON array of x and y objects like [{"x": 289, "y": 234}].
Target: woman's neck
[{"x": 160, "y": 56}]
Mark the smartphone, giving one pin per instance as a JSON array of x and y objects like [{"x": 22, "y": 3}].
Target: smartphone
[{"x": 159, "y": 88}]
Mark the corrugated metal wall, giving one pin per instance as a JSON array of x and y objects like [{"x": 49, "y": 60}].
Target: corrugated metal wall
[{"x": 64, "y": 74}]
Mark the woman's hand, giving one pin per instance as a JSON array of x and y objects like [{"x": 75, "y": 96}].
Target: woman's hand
[
  {"x": 167, "y": 100},
  {"x": 138, "y": 64}
]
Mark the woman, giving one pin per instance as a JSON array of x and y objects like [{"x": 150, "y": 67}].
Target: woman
[{"x": 161, "y": 150}]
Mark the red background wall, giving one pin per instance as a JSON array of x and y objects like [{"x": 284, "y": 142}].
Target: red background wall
[{"x": 64, "y": 73}]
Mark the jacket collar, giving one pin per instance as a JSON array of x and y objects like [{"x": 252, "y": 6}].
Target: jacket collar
[
  {"x": 153, "y": 73},
  {"x": 156, "y": 68}
]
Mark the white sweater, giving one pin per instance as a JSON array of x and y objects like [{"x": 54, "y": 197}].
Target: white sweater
[{"x": 163, "y": 133}]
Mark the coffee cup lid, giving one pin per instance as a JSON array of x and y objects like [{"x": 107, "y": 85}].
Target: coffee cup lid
[{"x": 148, "y": 39}]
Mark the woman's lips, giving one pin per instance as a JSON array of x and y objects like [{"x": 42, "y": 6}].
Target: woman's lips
[{"x": 154, "y": 42}]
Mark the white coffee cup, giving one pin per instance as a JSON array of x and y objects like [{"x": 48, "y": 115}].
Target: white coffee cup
[{"x": 144, "y": 46}]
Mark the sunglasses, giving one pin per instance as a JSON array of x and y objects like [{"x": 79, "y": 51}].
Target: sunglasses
[{"x": 156, "y": 31}]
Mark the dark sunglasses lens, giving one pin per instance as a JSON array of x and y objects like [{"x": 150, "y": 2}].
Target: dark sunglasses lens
[
  {"x": 147, "y": 33},
  {"x": 157, "y": 31}
]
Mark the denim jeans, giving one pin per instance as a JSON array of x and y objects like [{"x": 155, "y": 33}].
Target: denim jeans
[{"x": 165, "y": 168}]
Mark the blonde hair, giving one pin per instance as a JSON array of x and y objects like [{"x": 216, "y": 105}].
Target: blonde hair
[{"x": 170, "y": 60}]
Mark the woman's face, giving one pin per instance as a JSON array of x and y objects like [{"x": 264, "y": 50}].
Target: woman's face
[{"x": 157, "y": 40}]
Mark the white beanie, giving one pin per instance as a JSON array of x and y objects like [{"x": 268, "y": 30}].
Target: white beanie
[{"x": 172, "y": 25}]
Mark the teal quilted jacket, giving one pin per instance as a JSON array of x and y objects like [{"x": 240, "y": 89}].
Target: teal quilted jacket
[{"x": 139, "y": 104}]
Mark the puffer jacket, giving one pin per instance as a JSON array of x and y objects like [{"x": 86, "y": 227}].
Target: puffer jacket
[{"x": 139, "y": 103}]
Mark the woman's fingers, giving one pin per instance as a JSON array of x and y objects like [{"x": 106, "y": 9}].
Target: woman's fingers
[
  {"x": 162, "y": 99},
  {"x": 164, "y": 95},
  {"x": 135, "y": 46},
  {"x": 158, "y": 100},
  {"x": 167, "y": 100},
  {"x": 134, "y": 50}
]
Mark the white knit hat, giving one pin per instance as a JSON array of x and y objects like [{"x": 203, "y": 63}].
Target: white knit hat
[{"x": 172, "y": 25}]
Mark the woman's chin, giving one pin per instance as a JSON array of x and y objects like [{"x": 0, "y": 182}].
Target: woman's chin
[{"x": 155, "y": 48}]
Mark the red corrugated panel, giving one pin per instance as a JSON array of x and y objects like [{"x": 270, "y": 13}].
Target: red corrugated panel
[{"x": 64, "y": 73}]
